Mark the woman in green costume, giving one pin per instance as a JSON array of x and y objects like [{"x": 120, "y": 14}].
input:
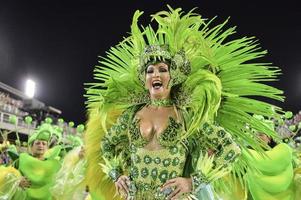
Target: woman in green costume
[
  {"x": 170, "y": 110},
  {"x": 37, "y": 170}
]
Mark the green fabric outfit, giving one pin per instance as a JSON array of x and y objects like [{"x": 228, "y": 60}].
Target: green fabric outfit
[
  {"x": 275, "y": 178},
  {"x": 40, "y": 173}
]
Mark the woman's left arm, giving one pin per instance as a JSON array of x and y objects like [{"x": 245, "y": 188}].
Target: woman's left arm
[
  {"x": 217, "y": 148},
  {"x": 222, "y": 145}
]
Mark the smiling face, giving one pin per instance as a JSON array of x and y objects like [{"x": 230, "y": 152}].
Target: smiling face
[
  {"x": 39, "y": 147},
  {"x": 157, "y": 79}
]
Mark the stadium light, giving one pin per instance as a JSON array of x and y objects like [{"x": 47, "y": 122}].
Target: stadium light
[{"x": 30, "y": 88}]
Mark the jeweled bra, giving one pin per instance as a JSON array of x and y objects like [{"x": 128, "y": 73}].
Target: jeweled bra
[{"x": 168, "y": 137}]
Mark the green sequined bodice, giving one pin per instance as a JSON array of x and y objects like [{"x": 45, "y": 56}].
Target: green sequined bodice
[
  {"x": 177, "y": 156},
  {"x": 151, "y": 169}
]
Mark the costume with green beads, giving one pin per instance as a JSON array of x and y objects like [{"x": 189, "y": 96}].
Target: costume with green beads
[{"x": 212, "y": 82}]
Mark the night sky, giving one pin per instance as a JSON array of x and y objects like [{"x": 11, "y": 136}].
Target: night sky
[{"x": 56, "y": 43}]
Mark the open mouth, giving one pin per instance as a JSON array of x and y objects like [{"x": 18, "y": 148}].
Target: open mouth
[{"x": 157, "y": 84}]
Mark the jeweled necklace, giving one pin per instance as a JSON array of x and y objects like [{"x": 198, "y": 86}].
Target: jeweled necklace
[{"x": 161, "y": 102}]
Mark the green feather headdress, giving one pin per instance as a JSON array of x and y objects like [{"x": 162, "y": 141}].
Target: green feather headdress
[
  {"x": 44, "y": 132},
  {"x": 179, "y": 66},
  {"x": 220, "y": 85}
]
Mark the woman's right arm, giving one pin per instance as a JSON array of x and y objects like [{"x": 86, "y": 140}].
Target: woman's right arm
[{"x": 113, "y": 144}]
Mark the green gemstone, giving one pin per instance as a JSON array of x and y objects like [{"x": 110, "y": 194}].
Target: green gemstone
[
  {"x": 134, "y": 172},
  {"x": 136, "y": 158},
  {"x": 166, "y": 162},
  {"x": 163, "y": 176},
  {"x": 227, "y": 141},
  {"x": 144, "y": 172},
  {"x": 207, "y": 129},
  {"x": 115, "y": 139},
  {"x": 146, "y": 186},
  {"x": 214, "y": 141},
  {"x": 157, "y": 160},
  {"x": 173, "y": 150},
  {"x": 230, "y": 155},
  {"x": 175, "y": 161},
  {"x": 147, "y": 159},
  {"x": 123, "y": 127},
  {"x": 205, "y": 126},
  {"x": 221, "y": 133},
  {"x": 220, "y": 150},
  {"x": 106, "y": 146},
  {"x": 154, "y": 173},
  {"x": 124, "y": 118},
  {"x": 173, "y": 174}
]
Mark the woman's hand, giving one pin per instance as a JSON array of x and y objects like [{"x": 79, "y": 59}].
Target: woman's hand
[
  {"x": 24, "y": 183},
  {"x": 122, "y": 186},
  {"x": 179, "y": 185}
]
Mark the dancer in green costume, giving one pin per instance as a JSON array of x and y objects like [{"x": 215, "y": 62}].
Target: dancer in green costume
[
  {"x": 170, "y": 107},
  {"x": 70, "y": 180},
  {"x": 38, "y": 171},
  {"x": 275, "y": 178}
]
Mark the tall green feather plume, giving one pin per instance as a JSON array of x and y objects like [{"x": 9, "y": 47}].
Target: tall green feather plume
[{"x": 99, "y": 185}]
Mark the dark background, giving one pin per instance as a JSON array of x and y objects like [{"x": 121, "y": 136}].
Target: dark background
[{"x": 56, "y": 43}]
